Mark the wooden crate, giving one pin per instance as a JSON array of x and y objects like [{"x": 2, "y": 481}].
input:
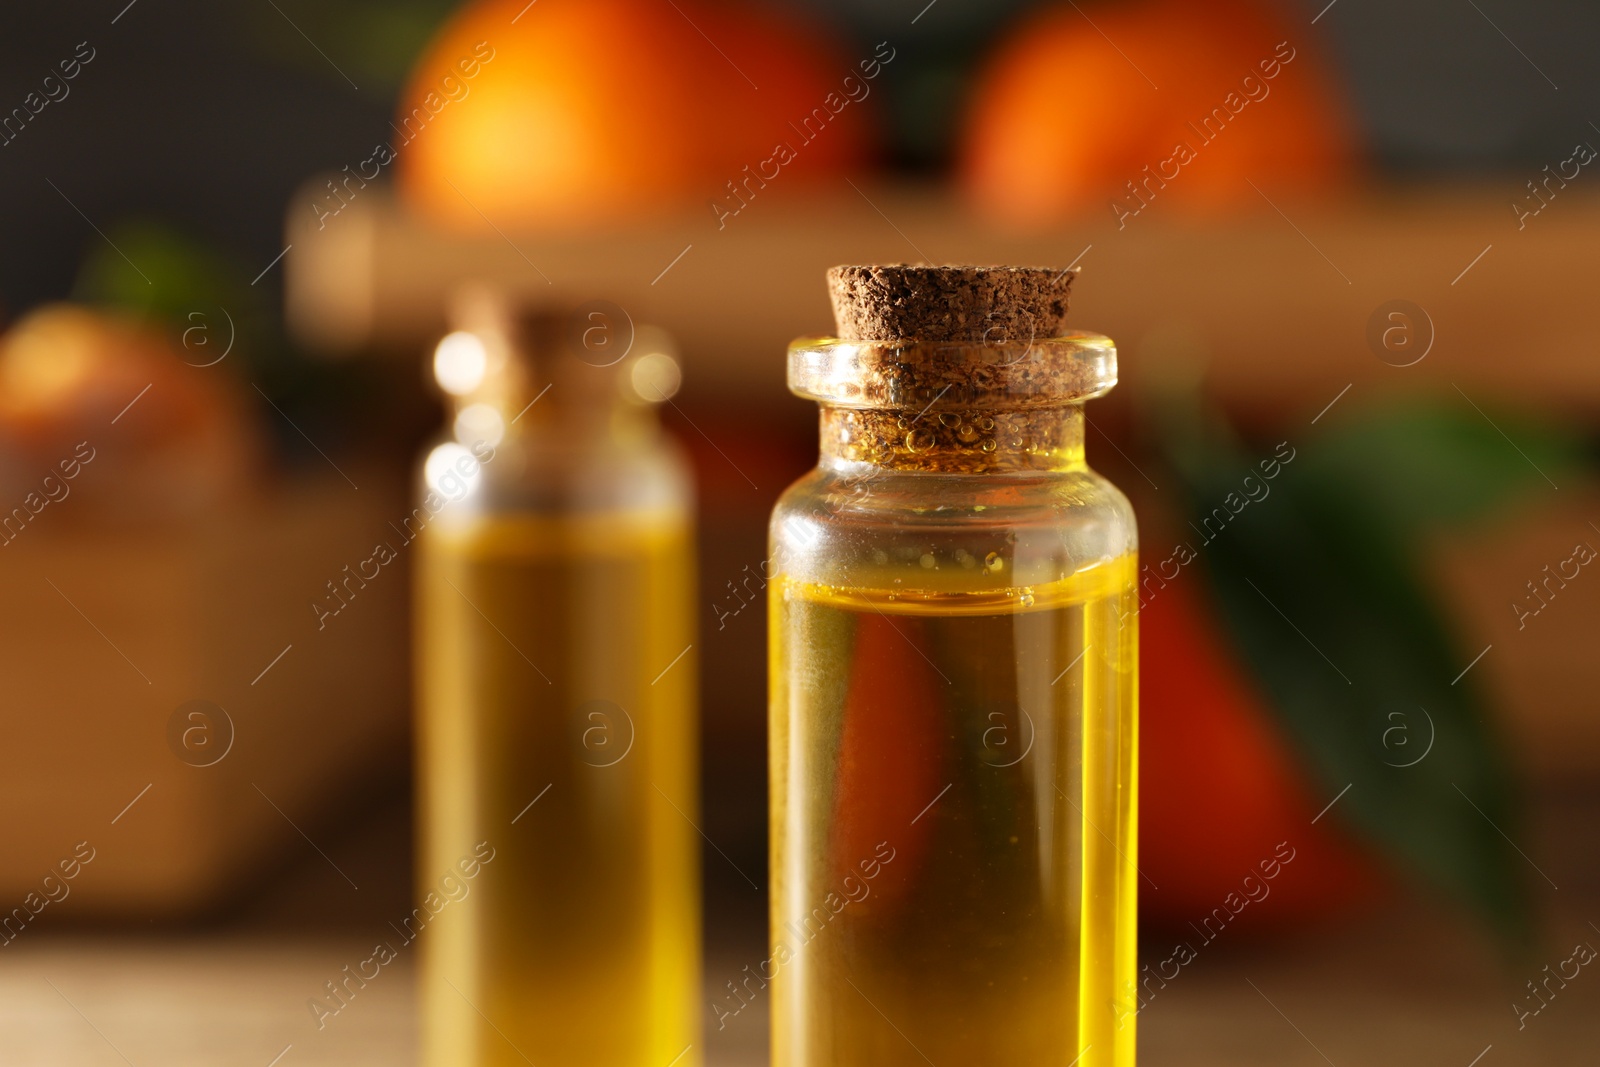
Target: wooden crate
[
  {"x": 1273, "y": 305},
  {"x": 109, "y": 629}
]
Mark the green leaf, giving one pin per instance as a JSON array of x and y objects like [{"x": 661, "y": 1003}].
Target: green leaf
[
  {"x": 1319, "y": 588},
  {"x": 1427, "y": 466},
  {"x": 375, "y": 42},
  {"x": 176, "y": 276}
]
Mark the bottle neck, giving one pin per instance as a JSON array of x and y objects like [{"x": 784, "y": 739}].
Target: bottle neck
[
  {"x": 553, "y": 405},
  {"x": 588, "y": 423},
  {"x": 967, "y": 441}
]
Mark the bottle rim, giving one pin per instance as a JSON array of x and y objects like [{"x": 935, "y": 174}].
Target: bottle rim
[{"x": 998, "y": 374}]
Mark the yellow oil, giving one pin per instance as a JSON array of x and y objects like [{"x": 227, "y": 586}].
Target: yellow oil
[
  {"x": 954, "y": 801},
  {"x": 557, "y": 723}
]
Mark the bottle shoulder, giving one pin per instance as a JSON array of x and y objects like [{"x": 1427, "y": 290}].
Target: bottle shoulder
[
  {"x": 832, "y": 523},
  {"x": 878, "y": 497}
]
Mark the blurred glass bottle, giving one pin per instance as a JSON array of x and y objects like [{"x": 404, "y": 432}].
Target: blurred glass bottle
[
  {"x": 557, "y": 726},
  {"x": 953, "y": 732}
]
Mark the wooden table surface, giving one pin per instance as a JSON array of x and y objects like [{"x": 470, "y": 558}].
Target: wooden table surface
[
  {"x": 1412, "y": 983},
  {"x": 1404, "y": 988}
]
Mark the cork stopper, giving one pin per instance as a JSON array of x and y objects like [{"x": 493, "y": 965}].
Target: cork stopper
[
  {"x": 919, "y": 302},
  {"x": 954, "y": 369}
]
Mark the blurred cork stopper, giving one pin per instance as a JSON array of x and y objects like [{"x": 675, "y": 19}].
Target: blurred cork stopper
[{"x": 918, "y": 302}]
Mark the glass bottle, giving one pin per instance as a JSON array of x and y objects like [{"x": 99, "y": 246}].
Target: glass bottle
[
  {"x": 557, "y": 743},
  {"x": 953, "y": 698}
]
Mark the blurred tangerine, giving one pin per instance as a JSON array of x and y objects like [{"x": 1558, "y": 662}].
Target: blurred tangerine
[
  {"x": 166, "y": 431},
  {"x": 1074, "y": 106},
  {"x": 578, "y": 114}
]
